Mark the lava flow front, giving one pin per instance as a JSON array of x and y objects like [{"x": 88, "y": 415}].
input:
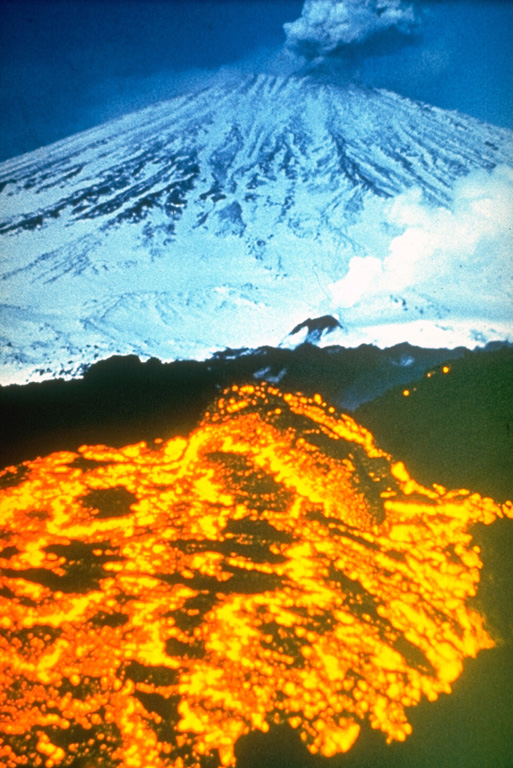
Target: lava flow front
[{"x": 158, "y": 602}]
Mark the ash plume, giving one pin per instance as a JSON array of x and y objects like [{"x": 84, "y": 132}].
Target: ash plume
[{"x": 327, "y": 28}]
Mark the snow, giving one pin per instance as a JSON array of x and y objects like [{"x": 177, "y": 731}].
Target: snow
[{"x": 226, "y": 218}]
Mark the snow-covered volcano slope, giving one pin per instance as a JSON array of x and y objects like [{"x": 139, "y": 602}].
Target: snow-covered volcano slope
[{"x": 227, "y": 217}]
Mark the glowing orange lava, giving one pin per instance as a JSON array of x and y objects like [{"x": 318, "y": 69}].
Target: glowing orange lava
[{"x": 159, "y": 602}]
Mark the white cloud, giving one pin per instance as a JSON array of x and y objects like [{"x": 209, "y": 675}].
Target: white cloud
[
  {"x": 327, "y": 25},
  {"x": 461, "y": 255}
]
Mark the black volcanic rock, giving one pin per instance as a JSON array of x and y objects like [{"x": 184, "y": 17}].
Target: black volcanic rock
[
  {"x": 122, "y": 400},
  {"x": 317, "y": 327},
  {"x": 453, "y": 428}
]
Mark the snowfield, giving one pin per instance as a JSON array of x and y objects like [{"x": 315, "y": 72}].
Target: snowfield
[{"x": 226, "y": 217}]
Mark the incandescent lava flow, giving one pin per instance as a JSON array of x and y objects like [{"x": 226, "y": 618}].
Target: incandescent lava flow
[{"x": 158, "y": 602}]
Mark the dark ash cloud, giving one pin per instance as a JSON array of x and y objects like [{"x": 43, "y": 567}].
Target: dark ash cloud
[{"x": 329, "y": 27}]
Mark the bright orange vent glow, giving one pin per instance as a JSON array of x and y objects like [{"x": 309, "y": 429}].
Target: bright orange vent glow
[{"x": 159, "y": 602}]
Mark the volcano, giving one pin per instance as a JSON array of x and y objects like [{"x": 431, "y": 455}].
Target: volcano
[
  {"x": 203, "y": 560},
  {"x": 223, "y": 219}
]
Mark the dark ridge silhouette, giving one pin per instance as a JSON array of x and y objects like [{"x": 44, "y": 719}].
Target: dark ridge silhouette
[
  {"x": 123, "y": 400},
  {"x": 454, "y": 429}
]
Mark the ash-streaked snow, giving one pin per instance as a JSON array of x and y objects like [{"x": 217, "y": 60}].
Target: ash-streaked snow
[{"x": 227, "y": 217}]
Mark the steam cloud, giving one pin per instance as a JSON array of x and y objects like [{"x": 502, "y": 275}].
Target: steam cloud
[
  {"x": 327, "y": 26},
  {"x": 460, "y": 255}
]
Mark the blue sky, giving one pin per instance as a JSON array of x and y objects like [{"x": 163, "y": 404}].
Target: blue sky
[{"x": 66, "y": 65}]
